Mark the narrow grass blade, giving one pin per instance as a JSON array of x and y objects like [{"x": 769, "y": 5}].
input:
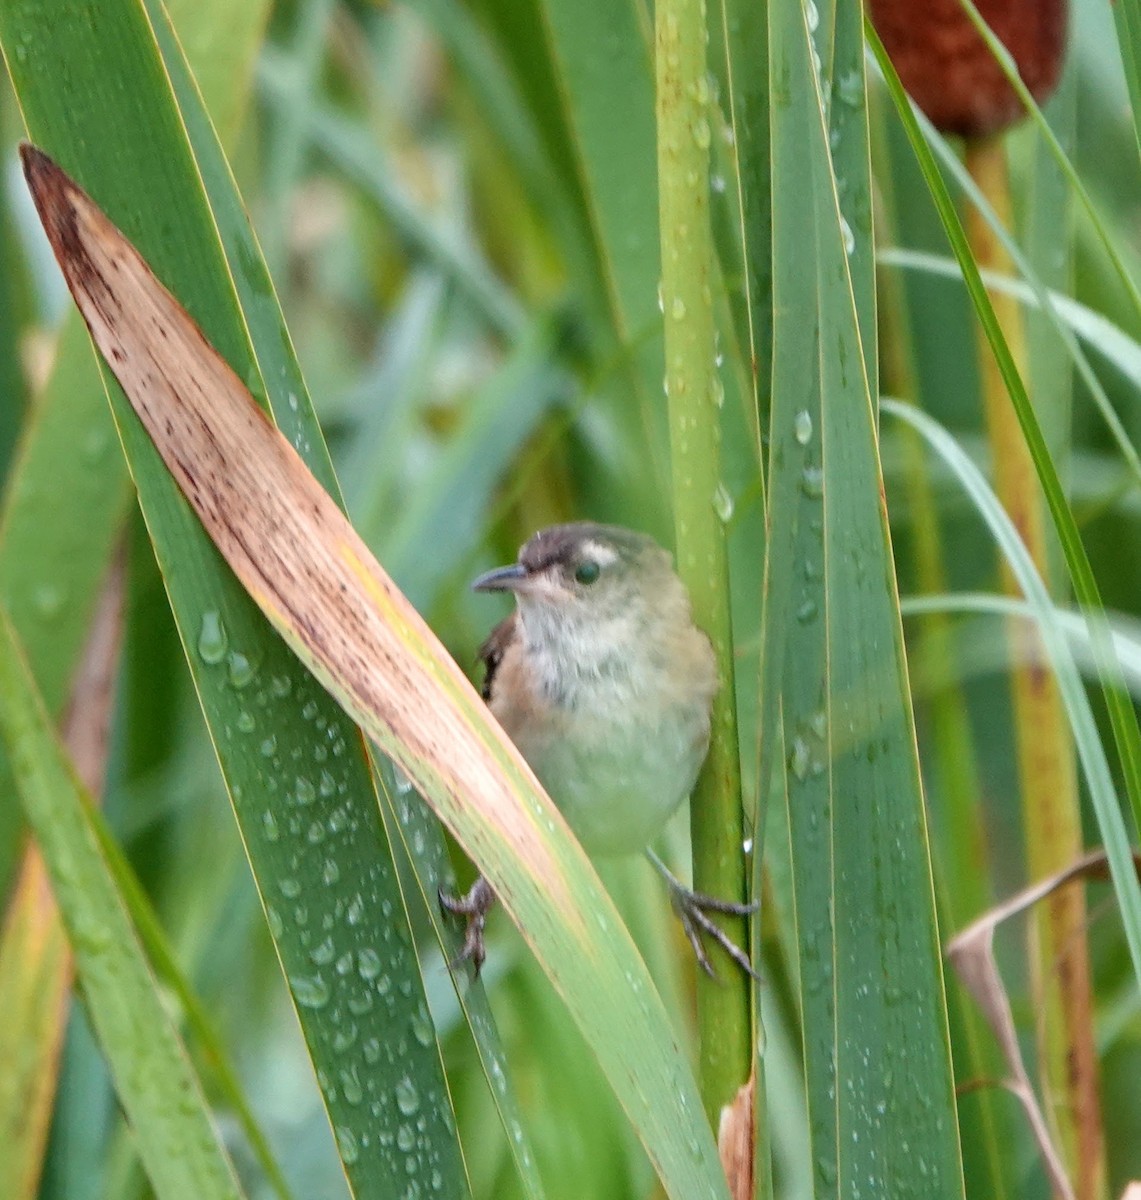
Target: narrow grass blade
[
  {"x": 206, "y": 1043},
  {"x": 69, "y": 487},
  {"x": 1127, "y": 15},
  {"x": 153, "y": 1077},
  {"x": 1072, "y": 321},
  {"x": 289, "y": 544},
  {"x": 695, "y": 395},
  {"x": 878, "y": 1068},
  {"x": 34, "y": 982}
]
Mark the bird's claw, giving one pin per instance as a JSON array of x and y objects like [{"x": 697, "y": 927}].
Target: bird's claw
[
  {"x": 474, "y": 904},
  {"x": 693, "y": 909}
]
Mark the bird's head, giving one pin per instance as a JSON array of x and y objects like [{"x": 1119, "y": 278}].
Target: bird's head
[{"x": 592, "y": 593}]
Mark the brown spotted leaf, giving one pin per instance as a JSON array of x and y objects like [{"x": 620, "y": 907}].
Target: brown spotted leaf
[{"x": 303, "y": 564}]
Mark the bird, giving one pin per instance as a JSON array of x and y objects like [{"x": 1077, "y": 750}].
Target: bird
[{"x": 605, "y": 685}]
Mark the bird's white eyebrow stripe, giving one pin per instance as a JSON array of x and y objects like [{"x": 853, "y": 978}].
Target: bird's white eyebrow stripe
[{"x": 600, "y": 553}]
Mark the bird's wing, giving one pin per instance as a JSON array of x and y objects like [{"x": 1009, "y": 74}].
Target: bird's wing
[{"x": 492, "y": 651}]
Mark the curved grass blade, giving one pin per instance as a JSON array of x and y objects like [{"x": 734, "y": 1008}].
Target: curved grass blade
[
  {"x": 1126, "y": 635},
  {"x": 292, "y": 548},
  {"x": 1071, "y": 319},
  {"x": 1009, "y": 68},
  {"x": 1050, "y": 305},
  {"x": 1099, "y": 778},
  {"x": 153, "y": 1077},
  {"x": 1123, "y": 719}
]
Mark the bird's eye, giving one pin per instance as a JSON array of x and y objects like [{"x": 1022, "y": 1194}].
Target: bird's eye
[{"x": 587, "y": 572}]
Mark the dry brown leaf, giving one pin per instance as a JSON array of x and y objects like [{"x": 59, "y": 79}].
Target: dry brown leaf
[
  {"x": 971, "y": 952},
  {"x": 291, "y": 546},
  {"x": 736, "y": 1134}
]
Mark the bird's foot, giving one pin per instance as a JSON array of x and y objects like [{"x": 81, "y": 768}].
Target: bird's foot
[
  {"x": 474, "y": 904},
  {"x": 693, "y": 909}
]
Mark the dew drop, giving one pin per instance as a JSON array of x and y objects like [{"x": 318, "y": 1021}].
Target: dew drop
[
  {"x": 240, "y": 669},
  {"x": 368, "y": 963},
  {"x": 677, "y": 309},
  {"x": 407, "y": 1097},
  {"x": 359, "y": 1005},
  {"x": 212, "y": 639},
  {"x": 812, "y": 482},
  {"x": 701, "y": 133},
  {"x": 849, "y": 237},
  {"x": 269, "y": 824},
  {"x": 48, "y": 600},
  {"x": 344, "y": 1038},
  {"x": 347, "y": 1145},
  {"x": 802, "y": 427},
  {"x": 351, "y": 1086},
  {"x": 798, "y": 758},
  {"x": 273, "y": 920},
  {"x": 323, "y": 953},
  {"x": 850, "y": 89},
  {"x": 310, "y": 991},
  {"x": 723, "y": 503},
  {"x": 422, "y": 1026}
]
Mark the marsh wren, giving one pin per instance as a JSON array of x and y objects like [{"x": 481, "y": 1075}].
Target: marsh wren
[{"x": 605, "y": 685}]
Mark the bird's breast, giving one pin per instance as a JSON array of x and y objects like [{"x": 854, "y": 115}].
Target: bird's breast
[{"x": 618, "y": 776}]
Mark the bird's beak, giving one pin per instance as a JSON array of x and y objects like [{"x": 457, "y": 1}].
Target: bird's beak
[{"x": 502, "y": 579}]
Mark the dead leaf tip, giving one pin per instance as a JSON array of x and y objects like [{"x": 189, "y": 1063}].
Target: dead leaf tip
[
  {"x": 40, "y": 170},
  {"x": 56, "y": 195}
]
